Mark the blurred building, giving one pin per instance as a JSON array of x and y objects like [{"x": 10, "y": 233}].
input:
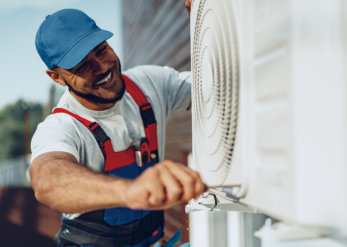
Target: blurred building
[
  {"x": 157, "y": 32},
  {"x": 23, "y": 220}
]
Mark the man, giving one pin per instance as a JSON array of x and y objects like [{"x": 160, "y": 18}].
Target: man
[{"x": 99, "y": 157}]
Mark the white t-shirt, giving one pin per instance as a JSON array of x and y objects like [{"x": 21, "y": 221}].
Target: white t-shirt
[{"x": 167, "y": 91}]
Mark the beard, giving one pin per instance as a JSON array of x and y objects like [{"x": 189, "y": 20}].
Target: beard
[{"x": 98, "y": 99}]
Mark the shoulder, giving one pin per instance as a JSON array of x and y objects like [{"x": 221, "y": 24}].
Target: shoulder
[
  {"x": 153, "y": 78},
  {"x": 58, "y": 120},
  {"x": 151, "y": 73},
  {"x": 56, "y": 133},
  {"x": 56, "y": 127}
]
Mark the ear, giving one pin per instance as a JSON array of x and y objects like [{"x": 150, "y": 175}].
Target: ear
[{"x": 56, "y": 77}]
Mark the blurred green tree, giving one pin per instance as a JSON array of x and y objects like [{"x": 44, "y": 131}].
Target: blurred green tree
[{"x": 18, "y": 122}]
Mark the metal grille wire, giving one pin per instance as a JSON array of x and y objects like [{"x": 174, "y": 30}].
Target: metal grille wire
[{"x": 215, "y": 68}]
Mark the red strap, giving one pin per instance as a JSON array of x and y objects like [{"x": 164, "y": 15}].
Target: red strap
[
  {"x": 114, "y": 160},
  {"x": 135, "y": 91},
  {"x": 84, "y": 121},
  {"x": 142, "y": 102},
  {"x": 119, "y": 159}
]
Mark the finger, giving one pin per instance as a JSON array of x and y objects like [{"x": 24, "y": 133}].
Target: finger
[
  {"x": 154, "y": 187},
  {"x": 172, "y": 187},
  {"x": 199, "y": 185},
  {"x": 188, "y": 4},
  {"x": 185, "y": 177}
]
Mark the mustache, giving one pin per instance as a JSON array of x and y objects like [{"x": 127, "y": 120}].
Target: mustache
[
  {"x": 101, "y": 76},
  {"x": 97, "y": 99}
]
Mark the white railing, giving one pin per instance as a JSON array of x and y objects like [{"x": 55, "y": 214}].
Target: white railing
[{"x": 14, "y": 173}]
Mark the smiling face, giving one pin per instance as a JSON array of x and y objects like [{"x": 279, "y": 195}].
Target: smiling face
[{"x": 96, "y": 81}]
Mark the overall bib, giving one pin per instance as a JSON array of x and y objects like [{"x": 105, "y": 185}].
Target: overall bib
[{"x": 120, "y": 226}]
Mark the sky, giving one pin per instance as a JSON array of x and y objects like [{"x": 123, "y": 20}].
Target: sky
[{"x": 22, "y": 70}]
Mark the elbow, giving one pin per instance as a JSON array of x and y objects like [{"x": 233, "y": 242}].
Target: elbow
[
  {"x": 34, "y": 182},
  {"x": 46, "y": 194},
  {"x": 39, "y": 185},
  {"x": 47, "y": 185},
  {"x": 39, "y": 196},
  {"x": 39, "y": 190},
  {"x": 43, "y": 194}
]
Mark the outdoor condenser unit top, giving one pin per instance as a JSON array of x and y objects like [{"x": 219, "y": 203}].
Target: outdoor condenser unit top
[{"x": 270, "y": 105}]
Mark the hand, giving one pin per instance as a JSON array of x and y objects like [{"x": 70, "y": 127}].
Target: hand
[
  {"x": 173, "y": 240},
  {"x": 162, "y": 186},
  {"x": 188, "y": 5}
]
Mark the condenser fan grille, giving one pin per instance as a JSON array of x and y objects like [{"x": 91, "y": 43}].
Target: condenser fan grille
[{"x": 215, "y": 67}]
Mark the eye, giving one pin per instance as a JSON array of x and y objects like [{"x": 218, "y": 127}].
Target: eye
[
  {"x": 101, "y": 50},
  {"x": 79, "y": 69}
]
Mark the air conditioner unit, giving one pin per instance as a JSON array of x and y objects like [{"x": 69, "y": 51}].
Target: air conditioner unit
[{"x": 269, "y": 105}]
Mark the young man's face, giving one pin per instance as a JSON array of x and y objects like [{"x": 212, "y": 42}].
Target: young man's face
[{"x": 96, "y": 81}]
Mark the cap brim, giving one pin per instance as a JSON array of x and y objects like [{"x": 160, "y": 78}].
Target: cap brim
[{"x": 82, "y": 48}]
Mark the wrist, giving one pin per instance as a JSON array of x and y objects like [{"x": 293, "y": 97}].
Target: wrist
[{"x": 120, "y": 187}]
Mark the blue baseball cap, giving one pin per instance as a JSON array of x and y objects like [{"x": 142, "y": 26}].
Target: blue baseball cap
[{"x": 66, "y": 37}]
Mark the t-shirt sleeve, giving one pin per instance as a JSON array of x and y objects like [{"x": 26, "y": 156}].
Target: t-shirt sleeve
[
  {"x": 173, "y": 88},
  {"x": 177, "y": 90},
  {"x": 56, "y": 133}
]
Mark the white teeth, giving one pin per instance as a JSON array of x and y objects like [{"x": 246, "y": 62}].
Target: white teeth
[{"x": 104, "y": 80}]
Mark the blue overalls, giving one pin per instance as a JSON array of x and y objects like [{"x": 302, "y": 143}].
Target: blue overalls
[{"x": 119, "y": 226}]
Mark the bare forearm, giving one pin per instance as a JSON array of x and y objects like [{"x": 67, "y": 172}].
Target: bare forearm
[
  {"x": 68, "y": 187},
  {"x": 63, "y": 184}
]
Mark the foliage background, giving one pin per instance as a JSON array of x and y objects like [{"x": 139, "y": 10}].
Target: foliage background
[{"x": 15, "y": 131}]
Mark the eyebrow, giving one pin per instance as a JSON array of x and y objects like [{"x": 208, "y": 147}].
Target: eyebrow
[{"x": 98, "y": 46}]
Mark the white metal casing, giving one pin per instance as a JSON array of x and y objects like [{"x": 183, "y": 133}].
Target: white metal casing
[{"x": 289, "y": 156}]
